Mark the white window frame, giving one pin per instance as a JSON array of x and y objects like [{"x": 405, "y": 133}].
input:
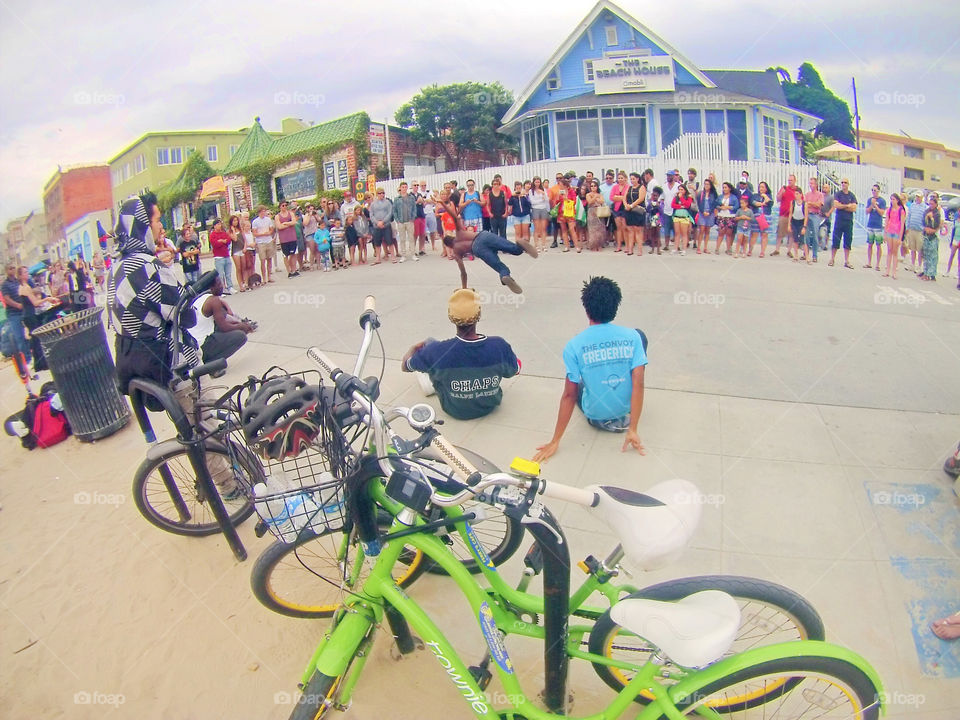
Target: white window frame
[
  {"x": 233, "y": 150},
  {"x": 553, "y": 81},
  {"x": 588, "y": 72},
  {"x": 783, "y": 141},
  {"x": 216, "y": 153},
  {"x": 126, "y": 172},
  {"x": 178, "y": 151},
  {"x": 139, "y": 164},
  {"x": 769, "y": 138},
  {"x": 610, "y": 35},
  {"x": 163, "y": 156}
]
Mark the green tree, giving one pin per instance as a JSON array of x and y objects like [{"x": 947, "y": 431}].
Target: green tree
[
  {"x": 809, "y": 94},
  {"x": 812, "y": 143},
  {"x": 465, "y": 115}
]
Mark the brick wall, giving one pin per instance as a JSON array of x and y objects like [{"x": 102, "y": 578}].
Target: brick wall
[
  {"x": 77, "y": 192},
  {"x": 402, "y": 144}
]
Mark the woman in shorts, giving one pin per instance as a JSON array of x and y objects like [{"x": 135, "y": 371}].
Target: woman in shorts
[
  {"x": 634, "y": 203},
  {"x": 618, "y": 194},
  {"x": 892, "y": 232},
  {"x": 726, "y": 210},
  {"x": 520, "y": 212},
  {"x": 761, "y": 202},
  {"x": 682, "y": 219},
  {"x": 539, "y": 212}
]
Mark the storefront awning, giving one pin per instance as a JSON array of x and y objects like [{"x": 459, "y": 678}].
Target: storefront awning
[{"x": 213, "y": 188}]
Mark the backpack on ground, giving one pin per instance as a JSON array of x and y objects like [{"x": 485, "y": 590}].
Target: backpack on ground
[{"x": 40, "y": 423}]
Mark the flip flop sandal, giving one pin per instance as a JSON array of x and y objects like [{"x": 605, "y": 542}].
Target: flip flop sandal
[{"x": 848, "y": 266}]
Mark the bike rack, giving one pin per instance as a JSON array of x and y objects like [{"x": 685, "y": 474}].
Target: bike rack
[{"x": 138, "y": 388}]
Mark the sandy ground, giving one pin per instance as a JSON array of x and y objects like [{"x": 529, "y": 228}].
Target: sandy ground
[{"x": 793, "y": 402}]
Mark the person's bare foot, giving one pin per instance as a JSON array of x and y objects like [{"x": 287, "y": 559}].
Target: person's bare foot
[
  {"x": 512, "y": 284},
  {"x": 947, "y": 628},
  {"x": 527, "y": 247}
]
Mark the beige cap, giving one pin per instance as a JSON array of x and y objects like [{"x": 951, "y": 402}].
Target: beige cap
[{"x": 463, "y": 308}]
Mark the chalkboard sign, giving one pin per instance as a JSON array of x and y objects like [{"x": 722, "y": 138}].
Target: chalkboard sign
[
  {"x": 329, "y": 176},
  {"x": 343, "y": 179},
  {"x": 297, "y": 185}
]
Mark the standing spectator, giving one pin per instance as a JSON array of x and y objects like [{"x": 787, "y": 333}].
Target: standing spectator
[
  {"x": 932, "y": 221},
  {"x": 13, "y": 302},
  {"x": 566, "y": 204},
  {"x": 498, "y": 208},
  {"x": 812, "y": 220},
  {"x": 669, "y": 192},
  {"x": 100, "y": 271},
  {"x": 404, "y": 213},
  {"x": 914, "y": 235},
  {"x": 876, "y": 209},
  {"x": 682, "y": 219},
  {"x": 249, "y": 249},
  {"x": 553, "y": 228},
  {"x": 896, "y": 219},
  {"x": 338, "y": 245},
  {"x": 236, "y": 249},
  {"x": 743, "y": 219},
  {"x": 220, "y": 243},
  {"x": 845, "y": 204},
  {"x": 596, "y": 231},
  {"x": 761, "y": 202},
  {"x": 726, "y": 211},
  {"x": 635, "y": 205},
  {"x": 604, "y": 371},
  {"x": 263, "y": 228},
  {"x": 827, "y": 211},
  {"x": 361, "y": 224},
  {"x": 287, "y": 232},
  {"x": 693, "y": 187},
  {"x": 165, "y": 250},
  {"x": 301, "y": 256},
  {"x": 617, "y": 195},
  {"x": 189, "y": 250},
  {"x": 419, "y": 220},
  {"x": 785, "y": 197},
  {"x": 706, "y": 217},
  {"x": 485, "y": 208},
  {"x": 745, "y": 181},
  {"x": 471, "y": 207},
  {"x": 429, "y": 217},
  {"x": 310, "y": 225},
  {"x": 954, "y": 243},
  {"x": 583, "y": 189},
  {"x": 381, "y": 214},
  {"x": 520, "y": 212},
  {"x": 654, "y": 205},
  {"x": 540, "y": 211},
  {"x": 321, "y": 238},
  {"x": 348, "y": 206},
  {"x": 797, "y": 215}
]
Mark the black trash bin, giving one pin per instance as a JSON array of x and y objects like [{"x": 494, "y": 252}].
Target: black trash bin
[{"x": 83, "y": 370}]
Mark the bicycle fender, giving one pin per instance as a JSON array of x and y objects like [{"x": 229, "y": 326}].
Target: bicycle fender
[{"x": 158, "y": 450}]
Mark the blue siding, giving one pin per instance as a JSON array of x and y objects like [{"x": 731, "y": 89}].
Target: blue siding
[{"x": 571, "y": 65}]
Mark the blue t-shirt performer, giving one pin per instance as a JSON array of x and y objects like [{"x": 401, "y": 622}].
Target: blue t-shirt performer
[
  {"x": 604, "y": 370},
  {"x": 465, "y": 370}
]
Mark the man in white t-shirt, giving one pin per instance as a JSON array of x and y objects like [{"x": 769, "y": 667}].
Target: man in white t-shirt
[
  {"x": 348, "y": 206},
  {"x": 669, "y": 192},
  {"x": 263, "y": 234}
]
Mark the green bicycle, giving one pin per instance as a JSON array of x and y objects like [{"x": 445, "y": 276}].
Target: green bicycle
[{"x": 681, "y": 659}]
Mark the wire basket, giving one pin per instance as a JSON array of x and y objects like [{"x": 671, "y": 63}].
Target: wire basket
[{"x": 302, "y": 493}]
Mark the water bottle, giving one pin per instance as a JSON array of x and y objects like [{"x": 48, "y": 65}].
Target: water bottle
[
  {"x": 273, "y": 509},
  {"x": 329, "y": 501}
]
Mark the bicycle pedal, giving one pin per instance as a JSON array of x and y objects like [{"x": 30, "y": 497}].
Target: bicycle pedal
[{"x": 481, "y": 675}]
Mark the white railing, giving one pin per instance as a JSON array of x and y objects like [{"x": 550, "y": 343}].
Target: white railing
[{"x": 707, "y": 149}]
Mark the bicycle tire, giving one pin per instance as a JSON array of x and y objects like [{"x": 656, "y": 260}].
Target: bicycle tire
[
  {"x": 316, "y": 700},
  {"x": 499, "y": 534},
  {"x": 149, "y": 490},
  {"x": 804, "y": 621},
  {"x": 790, "y": 673},
  {"x": 313, "y": 555}
]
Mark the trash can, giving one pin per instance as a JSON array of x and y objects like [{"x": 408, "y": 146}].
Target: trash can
[{"x": 83, "y": 370}]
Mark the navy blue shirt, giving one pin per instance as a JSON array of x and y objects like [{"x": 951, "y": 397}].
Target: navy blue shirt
[
  {"x": 466, "y": 373},
  {"x": 11, "y": 289},
  {"x": 519, "y": 206}
]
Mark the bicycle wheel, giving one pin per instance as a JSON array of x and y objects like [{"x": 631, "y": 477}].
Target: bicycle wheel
[
  {"x": 810, "y": 686},
  {"x": 308, "y": 578},
  {"x": 500, "y": 535},
  {"x": 233, "y": 466},
  {"x": 769, "y": 613},
  {"x": 317, "y": 699}
]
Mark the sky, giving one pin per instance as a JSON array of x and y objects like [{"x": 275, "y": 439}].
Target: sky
[{"x": 81, "y": 81}]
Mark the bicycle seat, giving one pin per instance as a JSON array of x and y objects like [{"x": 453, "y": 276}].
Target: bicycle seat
[
  {"x": 692, "y": 632},
  {"x": 653, "y": 527}
]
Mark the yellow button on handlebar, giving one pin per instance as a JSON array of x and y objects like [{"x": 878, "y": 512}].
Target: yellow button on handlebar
[{"x": 521, "y": 466}]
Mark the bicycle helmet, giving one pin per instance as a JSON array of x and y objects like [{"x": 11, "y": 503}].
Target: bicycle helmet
[{"x": 280, "y": 418}]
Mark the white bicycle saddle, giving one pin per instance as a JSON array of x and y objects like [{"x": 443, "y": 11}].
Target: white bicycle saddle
[
  {"x": 692, "y": 632},
  {"x": 654, "y": 526}
]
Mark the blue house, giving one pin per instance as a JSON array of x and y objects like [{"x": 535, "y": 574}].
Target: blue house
[{"x": 614, "y": 87}]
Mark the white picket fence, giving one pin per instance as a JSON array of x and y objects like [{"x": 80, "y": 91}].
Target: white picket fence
[{"x": 707, "y": 149}]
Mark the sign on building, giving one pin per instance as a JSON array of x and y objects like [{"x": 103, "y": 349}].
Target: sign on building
[
  {"x": 343, "y": 177},
  {"x": 640, "y": 73},
  {"x": 378, "y": 139},
  {"x": 297, "y": 185},
  {"x": 329, "y": 175}
]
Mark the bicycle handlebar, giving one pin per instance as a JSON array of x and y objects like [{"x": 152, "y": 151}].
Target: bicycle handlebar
[
  {"x": 555, "y": 490},
  {"x": 369, "y": 304}
]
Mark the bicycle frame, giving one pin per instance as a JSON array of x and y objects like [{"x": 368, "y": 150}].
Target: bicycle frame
[{"x": 334, "y": 655}]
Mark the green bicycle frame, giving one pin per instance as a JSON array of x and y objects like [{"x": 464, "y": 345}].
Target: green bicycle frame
[{"x": 337, "y": 650}]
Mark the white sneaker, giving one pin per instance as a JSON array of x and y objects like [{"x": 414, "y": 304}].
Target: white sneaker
[
  {"x": 402, "y": 258},
  {"x": 416, "y": 258}
]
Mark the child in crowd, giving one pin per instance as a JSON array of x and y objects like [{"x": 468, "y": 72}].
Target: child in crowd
[
  {"x": 338, "y": 245},
  {"x": 321, "y": 239},
  {"x": 743, "y": 219},
  {"x": 654, "y": 209}
]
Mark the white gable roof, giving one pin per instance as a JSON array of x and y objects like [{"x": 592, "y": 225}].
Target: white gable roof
[{"x": 578, "y": 31}]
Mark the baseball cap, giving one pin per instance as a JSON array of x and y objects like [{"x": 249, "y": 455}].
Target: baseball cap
[
  {"x": 671, "y": 172},
  {"x": 918, "y": 193},
  {"x": 463, "y": 308}
]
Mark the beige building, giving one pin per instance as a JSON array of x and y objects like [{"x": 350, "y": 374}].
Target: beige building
[{"x": 922, "y": 163}]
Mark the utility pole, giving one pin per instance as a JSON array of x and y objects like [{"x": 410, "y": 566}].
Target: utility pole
[
  {"x": 386, "y": 139},
  {"x": 856, "y": 118}
]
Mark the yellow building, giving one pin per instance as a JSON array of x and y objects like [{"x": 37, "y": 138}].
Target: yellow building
[{"x": 922, "y": 163}]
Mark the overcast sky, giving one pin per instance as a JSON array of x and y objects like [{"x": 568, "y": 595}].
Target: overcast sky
[{"x": 80, "y": 81}]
